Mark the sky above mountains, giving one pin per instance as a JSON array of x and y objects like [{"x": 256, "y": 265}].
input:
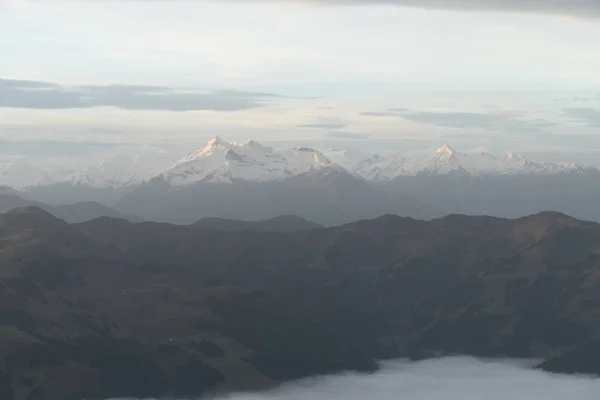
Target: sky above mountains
[{"x": 91, "y": 77}]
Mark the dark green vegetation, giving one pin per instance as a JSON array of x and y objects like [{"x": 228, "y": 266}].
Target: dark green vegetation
[{"x": 111, "y": 308}]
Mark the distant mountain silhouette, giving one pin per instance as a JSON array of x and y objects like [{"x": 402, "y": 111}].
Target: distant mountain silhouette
[
  {"x": 509, "y": 196},
  {"x": 327, "y": 196},
  {"x": 284, "y": 223},
  {"x": 78, "y": 212}
]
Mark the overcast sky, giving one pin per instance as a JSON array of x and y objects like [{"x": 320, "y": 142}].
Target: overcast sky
[{"x": 495, "y": 75}]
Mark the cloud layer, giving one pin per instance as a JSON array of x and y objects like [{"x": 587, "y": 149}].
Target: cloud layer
[
  {"x": 498, "y": 122},
  {"x": 581, "y": 8},
  {"x": 46, "y": 95},
  {"x": 347, "y": 135},
  {"x": 324, "y": 125},
  {"x": 447, "y": 379},
  {"x": 588, "y": 116}
]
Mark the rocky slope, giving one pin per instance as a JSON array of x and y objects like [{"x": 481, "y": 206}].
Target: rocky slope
[{"x": 111, "y": 308}]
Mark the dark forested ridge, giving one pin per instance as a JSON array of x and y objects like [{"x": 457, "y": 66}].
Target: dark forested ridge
[
  {"x": 282, "y": 224},
  {"x": 111, "y": 308}
]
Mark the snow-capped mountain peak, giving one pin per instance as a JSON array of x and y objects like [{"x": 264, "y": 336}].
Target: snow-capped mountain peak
[
  {"x": 444, "y": 161},
  {"x": 224, "y": 162},
  {"x": 306, "y": 153},
  {"x": 251, "y": 143},
  {"x": 445, "y": 151},
  {"x": 349, "y": 159},
  {"x": 216, "y": 144}
]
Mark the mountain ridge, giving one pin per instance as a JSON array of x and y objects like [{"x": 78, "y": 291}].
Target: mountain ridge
[
  {"x": 76, "y": 212},
  {"x": 280, "y": 224},
  {"x": 328, "y": 195},
  {"x": 222, "y": 161},
  {"x": 251, "y": 181},
  {"x": 150, "y": 309}
]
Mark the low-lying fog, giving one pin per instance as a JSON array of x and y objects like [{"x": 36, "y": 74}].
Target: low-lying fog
[{"x": 453, "y": 378}]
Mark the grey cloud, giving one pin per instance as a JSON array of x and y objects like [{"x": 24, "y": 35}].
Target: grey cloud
[
  {"x": 447, "y": 379},
  {"x": 457, "y": 119},
  {"x": 256, "y": 95},
  {"x": 493, "y": 122},
  {"x": 589, "y": 116},
  {"x": 52, "y": 148},
  {"x": 323, "y": 126},
  {"x": 581, "y": 8},
  {"x": 380, "y": 114},
  {"x": 325, "y": 123},
  {"x": 17, "y": 83},
  {"x": 45, "y": 95},
  {"x": 106, "y": 131},
  {"x": 125, "y": 89},
  {"x": 348, "y": 135},
  {"x": 575, "y": 99}
]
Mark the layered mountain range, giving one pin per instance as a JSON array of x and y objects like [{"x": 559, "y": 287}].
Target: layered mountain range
[
  {"x": 75, "y": 212},
  {"x": 251, "y": 181},
  {"x": 113, "y": 309}
]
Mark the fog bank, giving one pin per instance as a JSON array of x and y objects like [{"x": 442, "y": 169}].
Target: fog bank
[{"x": 453, "y": 378}]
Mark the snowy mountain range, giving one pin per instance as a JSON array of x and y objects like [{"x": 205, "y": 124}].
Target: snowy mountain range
[
  {"x": 225, "y": 162},
  {"x": 445, "y": 161}
]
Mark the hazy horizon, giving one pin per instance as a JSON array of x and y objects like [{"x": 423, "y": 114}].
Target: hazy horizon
[{"x": 102, "y": 77}]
